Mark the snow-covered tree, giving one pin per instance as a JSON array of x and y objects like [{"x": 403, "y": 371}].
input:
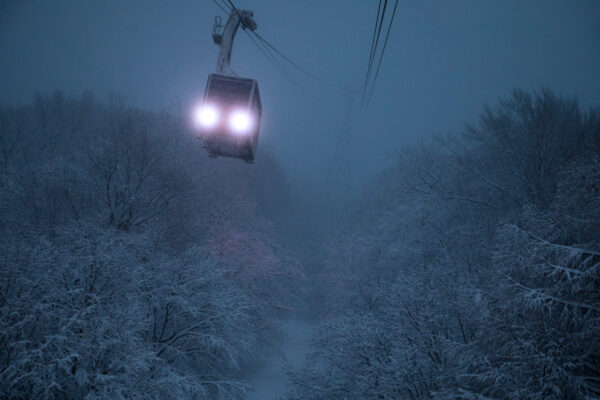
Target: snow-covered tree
[
  {"x": 472, "y": 272},
  {"x": 131, "y": 266}
]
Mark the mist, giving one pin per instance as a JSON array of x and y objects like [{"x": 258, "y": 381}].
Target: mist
[{"x": 387, "y": 240}]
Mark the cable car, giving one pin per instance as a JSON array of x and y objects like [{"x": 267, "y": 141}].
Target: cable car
[{"x": 228, "y": 119}]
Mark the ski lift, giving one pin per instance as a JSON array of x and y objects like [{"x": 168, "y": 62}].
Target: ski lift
[{"x": 228, "y": 119}]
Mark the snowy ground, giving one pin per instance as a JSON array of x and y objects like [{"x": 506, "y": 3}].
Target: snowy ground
[{"x": 268, "y": 379}]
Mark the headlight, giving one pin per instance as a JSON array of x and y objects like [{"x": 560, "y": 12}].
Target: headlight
[
  {"x": 240, "y": 121},
  {"x": 206, "y": 116}
]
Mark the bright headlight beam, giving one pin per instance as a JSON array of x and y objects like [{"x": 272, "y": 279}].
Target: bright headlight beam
[
  {"x": 206, "y": 116},
  {"x": 240, "y": 121}
]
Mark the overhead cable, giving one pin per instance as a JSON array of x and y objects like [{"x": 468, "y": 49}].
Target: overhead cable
[
  {"x": 221, "y": 6},
  {"x": 267, "y": 50},
  {"x": 271, "y": 58},
  {"x": 374, "y": 44},
  {"x": 387, "y": 35},
  {"x": 286, "y": 58}
]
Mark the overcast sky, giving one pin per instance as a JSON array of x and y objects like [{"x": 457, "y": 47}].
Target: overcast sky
[{"x": 444, "y": 60}]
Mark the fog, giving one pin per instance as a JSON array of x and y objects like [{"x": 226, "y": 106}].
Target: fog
[
  {"x": 444, "y": 60},
  {"x": 375, "y": 249}
]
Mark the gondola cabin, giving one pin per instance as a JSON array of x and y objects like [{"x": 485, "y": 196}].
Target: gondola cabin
[{"x": 229, "y": 117}]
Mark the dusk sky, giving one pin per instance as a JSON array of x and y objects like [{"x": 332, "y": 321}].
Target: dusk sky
[{"x": 443, "y": 62}]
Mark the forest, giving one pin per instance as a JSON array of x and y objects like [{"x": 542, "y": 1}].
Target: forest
[{"x": 132, "y": 266}]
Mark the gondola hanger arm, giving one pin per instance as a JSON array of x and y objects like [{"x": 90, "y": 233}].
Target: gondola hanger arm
[{"x": 225, "y": 38}]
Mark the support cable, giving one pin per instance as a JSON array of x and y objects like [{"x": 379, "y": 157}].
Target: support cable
[
  {"x": 271, "y": 58},
  {"x": 382, "y": 52},
  {"x": 233, "y": 7},
  {"x": 220, "y": 6},
  {"x": 286, "y": 58},
  {"x": 267, "y": 49},
  {"x": 372, "y": 52},
  {"x": 379, "y": 26}
]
